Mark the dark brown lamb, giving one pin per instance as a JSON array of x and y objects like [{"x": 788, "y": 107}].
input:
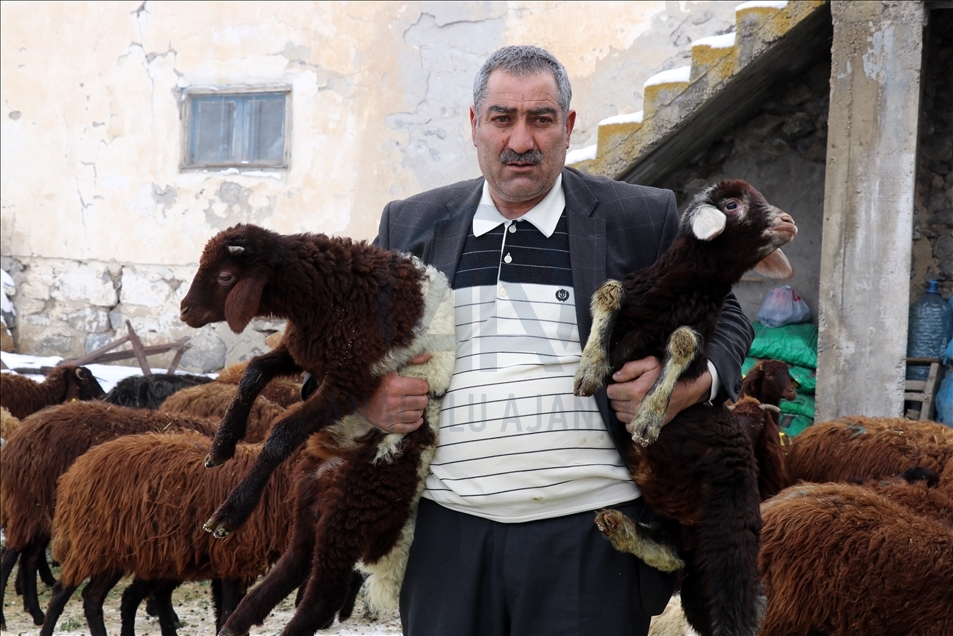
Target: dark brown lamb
[
  {"x": 134, "y": 506},
  {"x": 41, "y": 449},
  {"x": 355, "y": 312},
  {"x": 703, "y": 484},
  {"x": 22, "y": 396}
]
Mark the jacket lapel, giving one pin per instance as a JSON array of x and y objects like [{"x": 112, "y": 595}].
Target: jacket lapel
[
  {"x": 450, "y": 233},
  {"x": 587, "y": 245}
]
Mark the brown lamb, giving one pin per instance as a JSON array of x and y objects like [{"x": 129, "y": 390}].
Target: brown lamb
[
  {"x": 355, "y": 312},
  {"x": 41, "y": 449},
  {"x": 868, "y": 447},
  {"x": 703, "y": 485},
  {"x": 22, "y": 396},
  {"x": 844, "y": 559},
  {"x": 134, "y": 506}
]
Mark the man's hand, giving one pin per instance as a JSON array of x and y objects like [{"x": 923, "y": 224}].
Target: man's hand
[
  {"x": 630, "y": 384},
  {"x": 397, "y": 406}
]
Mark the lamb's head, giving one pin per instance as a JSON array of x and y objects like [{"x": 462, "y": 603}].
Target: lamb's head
[
  {"x": 236, "y": 265},
  {"x": 734, "y": 217}
]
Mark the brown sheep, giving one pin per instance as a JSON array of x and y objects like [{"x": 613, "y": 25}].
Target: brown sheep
[
  {"x": 867, "y": 447},
  {"x": 842, "y": 559},
  {"x": 769, "y": 381},
  {"x": 22, "y": 396},
  {"x": 282, "y": 391},
  {"x": 703, "y": 483},
  {"x": 7, "y": 422},
  {"x": 135, "y": 506},
  {"x": 43, "y": 447},
  {"x": 213, "y": 399}
]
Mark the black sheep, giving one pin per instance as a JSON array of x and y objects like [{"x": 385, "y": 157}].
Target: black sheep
[{"x": 699, "y": 472}]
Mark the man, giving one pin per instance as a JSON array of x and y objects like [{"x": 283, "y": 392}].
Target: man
[{"x": 505, "y": 540}]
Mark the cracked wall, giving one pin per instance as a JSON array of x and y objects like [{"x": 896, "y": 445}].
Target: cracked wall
[{"x": 93, "y": 197}]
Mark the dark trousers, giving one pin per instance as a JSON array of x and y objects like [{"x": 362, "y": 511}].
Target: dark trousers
[{"x": 467, "y": 575}]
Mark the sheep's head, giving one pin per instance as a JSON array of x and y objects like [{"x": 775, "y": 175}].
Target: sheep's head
[
  {"x": 81, "y": 384},
  {"x": 770, "y": 381},
  {"x": 746, "y": 224},
  {"x": 230, "y": 280}
]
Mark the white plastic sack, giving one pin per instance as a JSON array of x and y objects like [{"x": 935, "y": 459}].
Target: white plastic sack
[{"x": 783, "y": 306}]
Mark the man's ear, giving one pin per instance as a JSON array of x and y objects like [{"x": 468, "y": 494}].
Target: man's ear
[
  {"x": 570, "y": 123},
  {"x": 473, "y": 124}
]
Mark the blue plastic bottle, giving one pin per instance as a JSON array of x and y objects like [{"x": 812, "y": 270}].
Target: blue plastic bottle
[{"x": 928, "y": 332}]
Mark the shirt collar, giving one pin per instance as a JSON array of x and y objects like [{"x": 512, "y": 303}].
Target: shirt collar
[{"x": 544, "y": 215}]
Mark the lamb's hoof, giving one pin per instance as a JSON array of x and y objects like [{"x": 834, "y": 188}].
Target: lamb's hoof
[
  {"x": 610, "y": 522},
  {"x": 225, "y": 632},
  {"x": 584, "y": 387},
  {"x": 214, "y": 459},
  {"x": 645, "y": 427},
  {"x": 214, "y": 527}
]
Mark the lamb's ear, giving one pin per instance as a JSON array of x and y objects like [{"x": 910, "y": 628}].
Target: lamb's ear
[
  {"x": 775, "y": 265},
  {"x": 242, "y": 302},
  {"x": 708, "y": 222}
]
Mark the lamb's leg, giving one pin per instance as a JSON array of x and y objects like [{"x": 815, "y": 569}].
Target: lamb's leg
[
  {"x": 327, "y": 589},
  {"x": 228, "y": 596},
  {"x": 132, "y": 597},
  {"x": 260, "y": 371},
  {"x": 683, "y": 347},
  {"x": 625, "y": 536},
  {"x": 94, "y": 594},
  {"x": 7, "y": 562},
  {"x": 31, "y": 556},
  {"x": 357, "y": 582},
  {"x": 61, "y": 594},
  {"x": 291, "y": 430},
  {"x": 159, "y": 603},
  {"x": 44, "y": 571},
  {"x": 594, "y": 365},
  {"x": 291, "y": 571}
]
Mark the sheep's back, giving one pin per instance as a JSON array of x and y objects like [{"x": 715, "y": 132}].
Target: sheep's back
[
  {"x": 22, "y": 396},
  {"x": 47, "y": 443},
  {"x": 868, "y": 448},
  {"x": 138, "y": 503},
  {"x": 840, "y": 559},
  {"x": 212, "y": 401}
]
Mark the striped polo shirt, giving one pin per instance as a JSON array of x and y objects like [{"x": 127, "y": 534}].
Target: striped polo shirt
[{"x": 515, "y": 443}]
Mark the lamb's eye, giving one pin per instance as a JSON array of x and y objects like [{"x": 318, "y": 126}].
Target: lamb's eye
[
  {"x": 731, "y": 205},
  {"x": 224, "y": 277}
]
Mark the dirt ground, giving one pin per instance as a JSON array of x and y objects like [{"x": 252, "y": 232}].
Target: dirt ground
[{"x": 193, "y": 604}]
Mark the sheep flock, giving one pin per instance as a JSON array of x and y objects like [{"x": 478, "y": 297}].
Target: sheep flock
[{"x": 854, "y": 531}]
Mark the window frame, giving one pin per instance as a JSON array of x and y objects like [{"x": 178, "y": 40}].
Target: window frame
[{"x": 240, "y": 91}]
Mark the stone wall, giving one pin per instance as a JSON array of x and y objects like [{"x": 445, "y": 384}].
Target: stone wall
[
  {"x": 933, "y": 219},
  {"x": 781, "y": 150}
]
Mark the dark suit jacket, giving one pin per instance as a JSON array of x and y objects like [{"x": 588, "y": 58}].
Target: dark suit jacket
[{"x": 614, "y": 228}]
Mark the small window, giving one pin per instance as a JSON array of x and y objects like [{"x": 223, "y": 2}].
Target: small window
[{"x": 237, "y": 129}]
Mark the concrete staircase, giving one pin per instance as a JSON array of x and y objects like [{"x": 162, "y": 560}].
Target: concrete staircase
[{"x": 685, "y": 108}]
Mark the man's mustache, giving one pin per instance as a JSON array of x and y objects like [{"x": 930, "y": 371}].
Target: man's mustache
[{"x": 534, "y": 156}]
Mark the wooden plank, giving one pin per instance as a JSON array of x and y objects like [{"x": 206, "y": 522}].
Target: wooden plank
[{"x": 138, "y": 349}]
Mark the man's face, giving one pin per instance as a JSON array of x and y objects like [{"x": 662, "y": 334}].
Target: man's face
[{"x": 521, "y": 136}]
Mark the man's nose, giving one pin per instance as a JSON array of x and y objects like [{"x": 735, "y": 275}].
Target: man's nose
[{"x": 521, "y": 138}]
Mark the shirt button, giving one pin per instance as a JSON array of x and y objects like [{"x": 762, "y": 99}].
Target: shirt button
[
  {"x": 507, "y": 258},
  {"x": 502, "y": 293},
  {"x": 512, "y": 228}
]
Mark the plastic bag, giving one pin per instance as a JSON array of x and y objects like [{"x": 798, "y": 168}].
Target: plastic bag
[{"x": 783, "y": 306}]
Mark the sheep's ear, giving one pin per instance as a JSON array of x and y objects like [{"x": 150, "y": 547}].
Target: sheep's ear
[
  {"x": 242, "y": 302},
  {"x": 775, "y": 265},
  {"x": 708, "y": 222}
]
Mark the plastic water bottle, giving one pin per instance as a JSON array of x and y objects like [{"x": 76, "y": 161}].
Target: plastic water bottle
[{"x": 928, "y": 333}]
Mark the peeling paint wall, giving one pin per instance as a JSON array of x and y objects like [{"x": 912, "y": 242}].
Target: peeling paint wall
[{"x": 99, "y": 224}]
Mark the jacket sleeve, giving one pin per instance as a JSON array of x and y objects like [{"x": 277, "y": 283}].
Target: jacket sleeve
[{"x": 729, "y": 346}]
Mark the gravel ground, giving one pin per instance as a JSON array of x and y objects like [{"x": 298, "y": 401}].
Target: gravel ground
[{"x": 193, "y": 605}]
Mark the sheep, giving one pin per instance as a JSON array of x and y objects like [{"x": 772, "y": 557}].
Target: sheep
[
  {"x": 703, "y": 482},
  {"x": 135, "y": 506},
  {"x": 355, "y": 313},
  {"x": 282, "y": 391},
  {"x": 769, "y": 381},
  {"x": 150, "y": 391},
  {"x": 22, "y": 396},
  {"x": 843, "y": 559},
  {"x": 43, "y": 447},
  {"x": 868, "y": 447},
  {"x": 7, "y": 422},
  {"x": 211, "y": 401}
]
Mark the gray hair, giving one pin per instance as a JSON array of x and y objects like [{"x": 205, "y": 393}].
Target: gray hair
[{"x": 522, "y": 61}]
